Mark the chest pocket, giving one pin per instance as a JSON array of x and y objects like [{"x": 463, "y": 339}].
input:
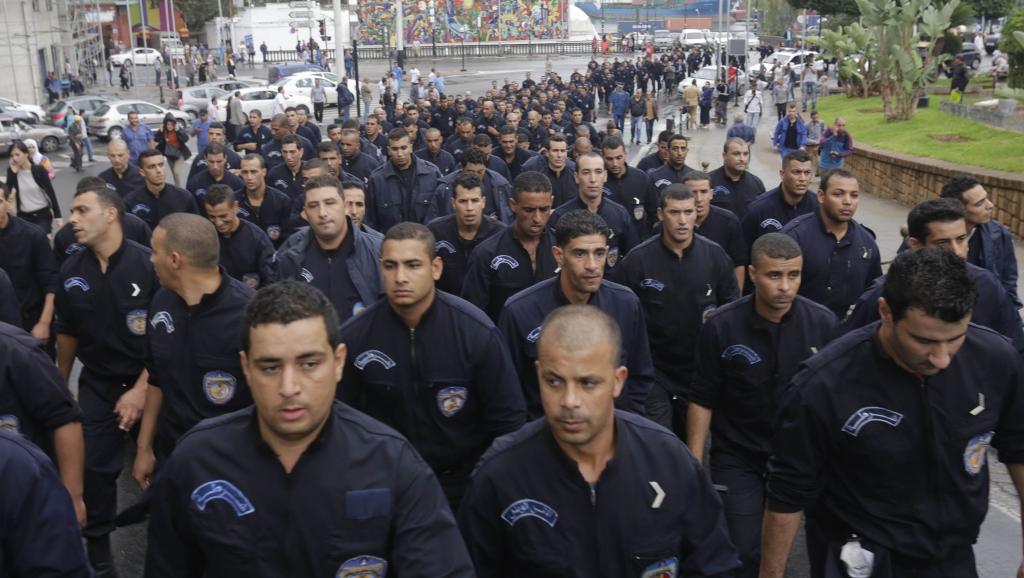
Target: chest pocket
[
  {"x": 540, "y": 550},
  {"x": 361, "y": 543}
]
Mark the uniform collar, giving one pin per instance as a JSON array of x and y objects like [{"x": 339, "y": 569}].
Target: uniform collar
[
  {"x": 320, "y": 440},
  {"x": 208, "y": 300},
  {"x": 571, "y": 467}
]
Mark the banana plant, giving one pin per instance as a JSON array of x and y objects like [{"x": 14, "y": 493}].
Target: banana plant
[
  {"x": 906, "y": 64},
  {"x": 854, "y": 49}
]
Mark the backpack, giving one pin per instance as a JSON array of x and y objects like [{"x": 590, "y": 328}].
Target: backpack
[{"x": 75, "y": 130}]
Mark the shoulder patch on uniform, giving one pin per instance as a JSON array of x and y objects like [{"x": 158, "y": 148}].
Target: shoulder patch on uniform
[
  {"x": 306, "y": 275},
  {"x": 772, "y": 223},
  {"x": 141, "y": 208},
  {"x": 667, "y": 568},
  {"x": 741, "y": 351},
  {"x": 243, "y": 212},
  {"x": 10, "y": 422},
  {"x": 222, "y": 490},
  {"x": 281, "y": 184},
  {"x": 374, "y": 356},
  {"x": 219, "y": 387},
  {"x": 444, "y": 245},
  {"x": 662, "y": 183},
  {"x": 165, "y": 318},
  {"x": 79, "y": 282},
  {"x": 363, "y": 567},
  {"x": 534, "y": 335},
  {"x": 528, "y": 508},
  {"x": 274, "y": 232},
  {"x": 136, "y": 321},
  {"x": 653, "y": 284},
  {"x": 721, "y": 189},
  {"x": 504, "y": 259},
  {"x": 866, "y": 415},
  {"x": 975, "y": 453},
  {"x": 74, "y": 248},
  {"x": 451, "y": 399}
]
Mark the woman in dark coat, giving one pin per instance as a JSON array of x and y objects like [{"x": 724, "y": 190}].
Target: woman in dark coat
[
  {"x": 171, "y": 141},
  {"x": 36, "y": 199}
]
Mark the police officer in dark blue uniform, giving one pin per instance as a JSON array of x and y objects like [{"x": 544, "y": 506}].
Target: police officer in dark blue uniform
[
  {"x": 496, "y": 189},
  {"x": 734, "y": 186},
  {"x": 581, "y": 251},
  {"x": 193, "y": 351},
  {"x": 331, "y": 254},
  {"x": 42, "y": 538},
  {"x": 402, "y": 189},
  {"x": 103, "y": 306},
  {"x": 629, "y": 186},
  {"x": 157, "y": 198},
  {"x": 840, "y": 255},
  {"x": 747, "y": 353},
  {"x": 483, "y": 142},
  {"x": 298, "y": 484},
  {"x": 134, "y": 228},
  {"x": 433, "y": 152},
  {"x": 658, "y": 157},
  {"x": 459, "y": 233},
  {"x": 941, "y": 223},
  {"x": 557, "y": 167},
  {"x": 123, "y": 174},
  {"x": 246, "y": 252},
  {"x": 215, "y": 173},
  {"x": 588, "y": 490},
  {"x": 590, "y": 178},
  {"x": 28, "y": 261},
  {"x": 254, "y": 135},
  {"x": 510, "y": 152},
  {"x": 279, "y": 127},
  {"x": 680, "y": 278},
  {"x": 674, "y": 169},
  {"x": 884, "y": 434},
  {"x": 287, "y": 176},
  {"x": 353, "y": 160},
  {"x": 718, "y": 224},
  {"x": 770, "y": 212},
  {"x": 518, "y": 257},
  {"x": 261, "y": 204},
  {"x": 216, "y": 135},
  {"x": 430, "y": 364}
]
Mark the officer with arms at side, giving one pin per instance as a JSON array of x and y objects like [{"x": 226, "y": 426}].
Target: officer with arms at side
[
  {"x": 332, "y": 254},
  {"x": 680, "y": 278},
  {"x": 430, "y": 364},
  {"x": 581, "y": 251},
  {"x": 193, "y": 341},
  {"x": 123, "y": 174},
  {"x": 459, "y": 233},
  {"x": 883, "y": 435},
  {"x": 28, "y": 261},
  {"x": 157, "y": 198},
  {"x": 298, "y": 484},
  {"x": 232, "y": 162},
  {"x": 734, "y": 186},
  {"x": 103, "y": 304},
  {"x": 403, "y": 188},
  {"x": 497, "y": 268},
  {"x": 261, "y": 204},
  {"x": 718, "y": 224},
  {"x": 770, "y": 211},
  {"x": 747, "y": 353},
  {"x": 629, "y": 186},
  {"x": 588, "y": 490}
]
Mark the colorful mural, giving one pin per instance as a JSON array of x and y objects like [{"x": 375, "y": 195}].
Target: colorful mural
[{"x": 480, "y": 20}]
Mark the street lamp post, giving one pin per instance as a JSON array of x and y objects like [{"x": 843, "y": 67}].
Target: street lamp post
[
  {"x": 433, "y": 28},
  {"x": 463, "y": 49}
]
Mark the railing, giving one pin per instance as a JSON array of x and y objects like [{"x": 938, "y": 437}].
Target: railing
[{"x": 455, "y": 50}]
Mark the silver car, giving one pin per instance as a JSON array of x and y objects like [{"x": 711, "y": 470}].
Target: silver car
[
  {"x": 198, "y": 98},
  {"x": 50, "y": 138},
  {"x": 107, "y": 121}
]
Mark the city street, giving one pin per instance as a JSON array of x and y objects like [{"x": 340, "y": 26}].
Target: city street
[{"x": 998, "y": 551}]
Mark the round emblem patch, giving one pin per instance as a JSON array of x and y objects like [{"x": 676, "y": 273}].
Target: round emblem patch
[
  {"x": 274, "y": 232},
  {"x": 451, "y": 399},
  {"x": 363, "y": 567},
  {"x": 975, "y": 453},
  {"x": 358, "y": 308},
  {"x": 219, "y": 387},
  {"x": 136, "y": 321},
  {"x": 251, "y": 279}
]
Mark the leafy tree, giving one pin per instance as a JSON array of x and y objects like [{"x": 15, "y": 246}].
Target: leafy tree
[
  {"x": 827, "y": 7},
  {"x": 991, "y": 9},
  {"x": 855, "y": 50},
  {"x": 1012, "y": 44},
  {"x": 196, "y": 12},
  {"x": 904, "y": 72}
]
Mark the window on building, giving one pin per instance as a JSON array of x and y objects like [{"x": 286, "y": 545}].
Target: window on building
[
  {"x": 35, "y": 5},
  {"x": 49, "y": 5}
]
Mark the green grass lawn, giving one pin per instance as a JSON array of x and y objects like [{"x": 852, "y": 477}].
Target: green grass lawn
[{"x": 988, "y": 146}]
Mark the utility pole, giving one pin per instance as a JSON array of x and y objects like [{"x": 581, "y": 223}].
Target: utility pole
[{"x": 399, "y": 32}]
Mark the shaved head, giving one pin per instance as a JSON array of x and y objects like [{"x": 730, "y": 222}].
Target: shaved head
[{"x": 580, "y": 327}]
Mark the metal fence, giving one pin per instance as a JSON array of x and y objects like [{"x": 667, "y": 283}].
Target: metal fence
[{"x": 457, "y": 49}]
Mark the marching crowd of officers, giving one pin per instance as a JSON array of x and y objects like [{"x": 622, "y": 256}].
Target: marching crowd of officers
[{"x": 454, "y": 342}]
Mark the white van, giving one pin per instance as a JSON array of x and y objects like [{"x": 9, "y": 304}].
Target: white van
[{"x": 693, "y": 37}]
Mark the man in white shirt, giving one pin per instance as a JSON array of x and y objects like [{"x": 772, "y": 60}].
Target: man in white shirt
[{"x": 280, "y": 102}]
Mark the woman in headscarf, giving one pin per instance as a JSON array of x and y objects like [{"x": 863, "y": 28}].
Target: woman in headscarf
[
  {"x": 171, "y": 141},
  {"x": 39, "y": 158},
  {"x": 36, "y": 201}
]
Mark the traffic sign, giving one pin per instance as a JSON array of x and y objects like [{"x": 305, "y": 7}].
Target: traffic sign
[
  {"x": 300, "y": 14},
  {"x": 300, "y": 24}
]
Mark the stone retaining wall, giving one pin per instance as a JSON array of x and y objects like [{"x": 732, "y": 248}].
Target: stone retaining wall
[{"x": 910, "y": 180}]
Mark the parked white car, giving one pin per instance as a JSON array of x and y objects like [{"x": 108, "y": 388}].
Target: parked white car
[
  {"x": 262, "y": 99},
  {"x": 302, "y": 83},
  {"x": 140, "y": 56},
  {"x": 36, "y": 111},
  {"x": 709, "y": 74},
  {"x": 794, "y": 58},
  {"x": 692, "y": 37},
  {"x": 108, "y": 120}
]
